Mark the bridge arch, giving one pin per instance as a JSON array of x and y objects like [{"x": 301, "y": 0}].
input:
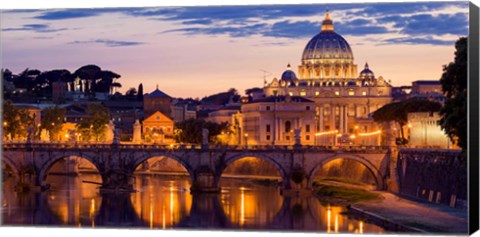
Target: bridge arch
[
  {"x": 377, "y": 175},
  {"x": 229, "y": 160},
  {"x": 178, "y": 159},
  {"x": 15, "y": 167},
  {"x": 45, "y": 167}
]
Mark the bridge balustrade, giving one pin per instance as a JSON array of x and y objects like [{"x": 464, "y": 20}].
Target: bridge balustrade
[{"x": 89, "y": 145}]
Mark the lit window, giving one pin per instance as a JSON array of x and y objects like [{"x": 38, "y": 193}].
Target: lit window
[
  {"x": 290, "y": 93},
  {"x": 337, "y": 93},
  {"x": 303, "y": 93},
  {"x": 351, "y": 93},
  {"x": 364, "y": 93},
  {"x": 317, "y": 93}
]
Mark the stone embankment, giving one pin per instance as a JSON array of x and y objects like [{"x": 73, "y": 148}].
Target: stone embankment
[{"x": 400, "y": 214}]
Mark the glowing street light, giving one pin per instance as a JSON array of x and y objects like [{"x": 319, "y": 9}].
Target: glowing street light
[{"x": 245, "y": 136}]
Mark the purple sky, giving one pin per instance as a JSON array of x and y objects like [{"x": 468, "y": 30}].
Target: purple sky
[{"x": 197, "y": 51}]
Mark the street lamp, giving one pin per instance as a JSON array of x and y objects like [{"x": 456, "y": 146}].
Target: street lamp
[{"x": 245, "y": 136}]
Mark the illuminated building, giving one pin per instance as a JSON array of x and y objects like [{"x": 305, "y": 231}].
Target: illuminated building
[
  {"x": 273, "y": 120},
  {"x": 155, "y": 101},
  {"x": 158, "y": 128},
  {"x": 424, "y": 131},
  {"x": 343, "y": 99}
]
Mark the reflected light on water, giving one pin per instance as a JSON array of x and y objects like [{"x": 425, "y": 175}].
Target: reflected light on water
[
  {"x": 329, "y": 219},
  {"x": 151, "y": 214},
  {"x": 171, "y": 203},
  {"x": 92, "y": 211},
  {"x": 168, "y": 204},
  {"x": 336, "y": 223},
  {"x": 242, "y": 206},
  {"x": 164, "y": 221}
]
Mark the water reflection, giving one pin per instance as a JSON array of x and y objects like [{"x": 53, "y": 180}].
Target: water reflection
[{"x": 162, "y": 203}]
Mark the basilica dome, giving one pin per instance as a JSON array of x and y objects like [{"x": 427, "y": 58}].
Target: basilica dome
[{"x": 327, "y": 44}]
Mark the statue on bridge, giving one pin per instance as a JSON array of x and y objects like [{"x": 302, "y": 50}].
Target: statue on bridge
[
  {"x": 109, "y": 132},
  {"x": 137, "y": 132}
]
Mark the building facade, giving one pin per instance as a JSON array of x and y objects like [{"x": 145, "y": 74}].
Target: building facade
[
  {"x": 274, "y": 121},
  {"x": 158, "y": 128},
  {"x": 424, "y": 131},
  {"x": 343, "y": 100},
  {"x": 157, "y": 101}
]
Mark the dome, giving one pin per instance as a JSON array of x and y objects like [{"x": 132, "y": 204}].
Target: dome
[
  {"x": 366, "y": 73},
  {"x": 288, "y": 75},
  {"x": 327, "y": 44}
]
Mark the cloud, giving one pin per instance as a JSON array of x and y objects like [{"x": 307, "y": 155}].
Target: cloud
[
  {"x": 79, "y": 13},
  {"x": 198, "y": 22},
  {"x": 109, "y": 43},
  {"x": 442, "y": 24},
  {"x": 419, "y": 40},
  {"x": 382, "y": 9},
  {"x": 66, "y": 14},
  {"x": 40, "y": 28},
  {"x": 243, "y": 31},
  {"x": 298, "y": 29}
]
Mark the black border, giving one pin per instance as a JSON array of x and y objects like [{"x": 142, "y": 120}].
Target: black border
[{"x": 473, "y": 99}]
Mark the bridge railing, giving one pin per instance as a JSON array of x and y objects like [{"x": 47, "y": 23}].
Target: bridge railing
[{"x": 216, "y": 147}]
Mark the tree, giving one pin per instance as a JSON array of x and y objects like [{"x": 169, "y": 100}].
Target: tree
[
  {"x": 16, "y": 122},
  {"x": 190, "y": 131},
  {"x": 454, "y": 85},
  {"x": 26, "y": 79},
  {"x": 43, "y": 82},
  {"x": 140, "y": 92},
  {"x": 221, "y": 98},
  {"x": 52, "y": 121},
  {"x": 94, "y": 125},
  {"x": 98, "y": 80}
]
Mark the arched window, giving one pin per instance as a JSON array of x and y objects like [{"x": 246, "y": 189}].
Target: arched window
[{"x": 288, "y": 126}]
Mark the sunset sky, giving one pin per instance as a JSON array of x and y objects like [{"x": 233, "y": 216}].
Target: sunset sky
[{"x": 197, "y": 51}]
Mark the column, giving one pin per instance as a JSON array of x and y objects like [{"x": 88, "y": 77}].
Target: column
[
  {"x": 346, "y": 119},
  {"x": 320, "y": 118},
  {"x": 342, "y": 117},
  {"x": 279, "y": 129},
  {"x": 332, "y": 115}
]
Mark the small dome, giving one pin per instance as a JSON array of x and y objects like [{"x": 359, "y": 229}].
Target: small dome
[
  {"x": 366, "y": 73},
  {"x": 288, "y": 75}
]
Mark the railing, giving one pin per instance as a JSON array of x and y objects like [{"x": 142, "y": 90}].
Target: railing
[{"x": 184, "y": 147}]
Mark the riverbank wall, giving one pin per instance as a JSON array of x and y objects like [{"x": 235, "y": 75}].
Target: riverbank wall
[{"x": 433, "y": 175}]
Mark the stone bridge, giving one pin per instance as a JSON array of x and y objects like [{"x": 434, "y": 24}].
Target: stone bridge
[{"x": 116, "y": 163}]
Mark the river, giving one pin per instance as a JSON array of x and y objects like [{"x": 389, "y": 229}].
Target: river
[{"x": 165, "y": 203}]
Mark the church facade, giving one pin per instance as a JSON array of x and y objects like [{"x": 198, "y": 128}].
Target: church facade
[{"x": 342, "y": 99}]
